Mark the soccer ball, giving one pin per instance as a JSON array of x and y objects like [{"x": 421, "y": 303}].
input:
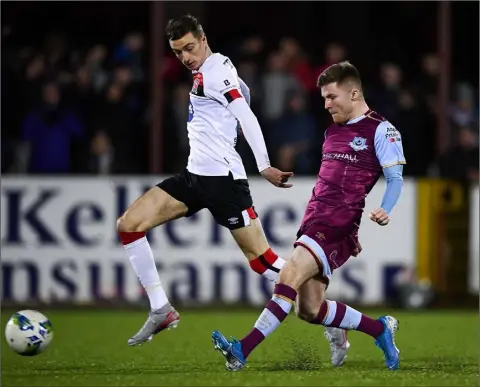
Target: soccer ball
[{"x": 28, "y": 332}]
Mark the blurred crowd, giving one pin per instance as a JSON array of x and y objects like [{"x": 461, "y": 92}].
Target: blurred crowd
[
  {"x": 87, "y": 110},
  {"x": 75, "y": 110}
]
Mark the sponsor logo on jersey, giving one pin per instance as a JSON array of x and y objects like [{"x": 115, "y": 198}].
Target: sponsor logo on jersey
[
  {"x": 340, "y": 156},
  {"x": 394, "y": 139},
  {"x": 393, "y": 135}
]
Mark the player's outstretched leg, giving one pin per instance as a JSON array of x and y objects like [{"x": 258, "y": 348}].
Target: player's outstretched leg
[
  {"x": 268, "y": 264},
  {"x": 155, "y": 207},
  {"x": 295, "y": 272},
  {"x": 253, "y": 243}
]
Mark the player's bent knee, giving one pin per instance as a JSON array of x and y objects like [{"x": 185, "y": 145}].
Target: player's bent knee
[
  {"x": 299, "y": 268},
  {"x": 132, "y": 222},
  {"x": 289, "y": 273},
  {"x": 294, "y": 273},
  {"x": 306, "y": 314},
  {"x": 126, "y": 224},
  {"x": 306, "y": 310}
]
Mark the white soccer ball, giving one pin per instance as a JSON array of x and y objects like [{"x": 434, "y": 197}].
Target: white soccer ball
[{"x": 28, "y": 332}]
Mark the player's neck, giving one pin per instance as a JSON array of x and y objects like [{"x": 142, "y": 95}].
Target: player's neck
[
  {"x": 207, "y": 54},
  {"x": 358, "y": 111}
]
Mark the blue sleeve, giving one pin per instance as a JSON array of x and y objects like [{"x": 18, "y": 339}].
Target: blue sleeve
[
  {"x": 245, "y": 90},
  {"x": 394, "y": 178},
  {"x": 388, "y": 145}
]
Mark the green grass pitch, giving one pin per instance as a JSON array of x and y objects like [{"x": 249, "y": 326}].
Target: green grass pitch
[{"x": 90, "y": 349}]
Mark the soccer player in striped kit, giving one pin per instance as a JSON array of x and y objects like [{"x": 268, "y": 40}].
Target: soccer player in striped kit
[{"x": 358, "y": 147}]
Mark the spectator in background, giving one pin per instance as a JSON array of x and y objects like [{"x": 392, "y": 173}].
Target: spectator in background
[
  {"x": 428, "y": 82},
  {"x": 94, "y": 62},
  {"x": 276, "y": 82},
  {"x": 32, "y": 82},
  {"x": 172, "y": 71},
  {"x": 297, "y": 63},
  {"x": 385, "y": 96},
  {"x": 50, "y": 132},
  {"x": 418, "y": 133},
  {"x": 252, "y": 50},
  {"x": 130, "y": 53},
  {"x": 463, "y": 112},
  {"x": 294, "y": 136},
  {"x": 56, "y": 50},
  {"x": 124, "y": 78},
  {"x": 117, "y": 117},
  {"x": 334, "y": 53},
  {"x": 81, "y": 96},
  {"x": 462, "y": 161},
  {"x": 122, "y": 75},
  {"x": 114, "y": 144},
  {"x": 101, "y": 154},
  {"x": 57, "y": 57}
]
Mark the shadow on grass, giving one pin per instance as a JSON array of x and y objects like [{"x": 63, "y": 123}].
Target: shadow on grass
[
  {"x": 133, "y": 369},
  {"x": 303, "y": 362}
]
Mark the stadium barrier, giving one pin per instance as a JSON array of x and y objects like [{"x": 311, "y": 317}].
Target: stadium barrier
[{"x": 59, "y": 245}]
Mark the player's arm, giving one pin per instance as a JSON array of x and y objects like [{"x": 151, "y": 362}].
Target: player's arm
[
  {"x": 389, "y": 151},
  {"x": 225, "y": 88},
  {"x": 245, "y": 90},
  {"x": 246, "y": 94},
  {"x": 394, "y": 178}
]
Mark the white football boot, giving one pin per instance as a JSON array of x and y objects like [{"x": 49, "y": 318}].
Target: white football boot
[{"x": 338, "y": 344}]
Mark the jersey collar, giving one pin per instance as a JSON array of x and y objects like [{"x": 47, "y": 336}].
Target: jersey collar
[
  {"x": 204, "y": 62},
  {"x": 358, "y": 119}
]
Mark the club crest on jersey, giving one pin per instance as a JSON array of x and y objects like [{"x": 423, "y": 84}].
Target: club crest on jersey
[
  {"x": 358, "y": 144},
  {"x": 196, "y": 83}
]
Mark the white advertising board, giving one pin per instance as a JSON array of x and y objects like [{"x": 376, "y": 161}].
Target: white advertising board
[{"x": 59, "y": 243}]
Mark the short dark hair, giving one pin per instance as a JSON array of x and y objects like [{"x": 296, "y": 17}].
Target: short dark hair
[
  {"x": 177, "y": 28},
  {"x": 340, "y": 73}
]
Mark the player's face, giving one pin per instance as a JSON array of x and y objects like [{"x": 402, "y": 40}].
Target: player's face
[
  {"x": 190, "y": 50},
  {"x": 338, "y": 101}
]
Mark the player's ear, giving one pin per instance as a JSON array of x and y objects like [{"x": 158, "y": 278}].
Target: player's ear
[{"x": 355, "y": 94}]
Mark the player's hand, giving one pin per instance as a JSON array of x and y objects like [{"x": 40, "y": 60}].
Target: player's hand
[
  {"x": 379, "y": 216},
  {"x": 277, "y": 177}
]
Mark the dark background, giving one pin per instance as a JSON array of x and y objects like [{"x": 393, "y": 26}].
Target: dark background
[{"x": 397, "y": 35}]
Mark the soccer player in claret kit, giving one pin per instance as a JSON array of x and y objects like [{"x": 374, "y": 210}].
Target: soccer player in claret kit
[
  {"x": 214, "y": 178},
  {"x": 358, "y": 146}
]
